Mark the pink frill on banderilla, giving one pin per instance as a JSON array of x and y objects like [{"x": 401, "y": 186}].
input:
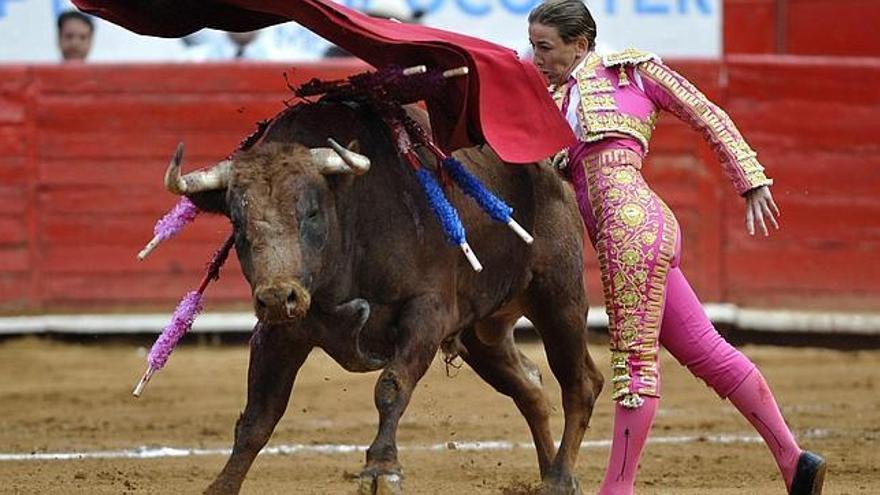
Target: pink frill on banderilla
[
  {"x": 181, "y": 322},
  {"x": 184, "y": 212}
]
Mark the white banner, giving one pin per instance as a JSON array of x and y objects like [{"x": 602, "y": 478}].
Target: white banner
[
  {"x": 29, "y": 33},
  {"x": 677, "y": 28},
  {"x": 685, "y": 28}
]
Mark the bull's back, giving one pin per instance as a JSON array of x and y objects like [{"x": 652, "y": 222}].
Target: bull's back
[{"x": 403, "y": 250}]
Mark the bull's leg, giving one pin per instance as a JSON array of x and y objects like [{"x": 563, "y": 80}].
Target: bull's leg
[
  {"x": 277, "y": 353},
  {"x": 420, "y": 330},
  {"x": 560, "y": 319},
  {"x": 510, "y": 372}
]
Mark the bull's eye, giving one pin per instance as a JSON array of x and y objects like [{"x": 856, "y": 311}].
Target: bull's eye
[
  {"x": 312, "y": 223},
  {"x": 313, "y": 229}
]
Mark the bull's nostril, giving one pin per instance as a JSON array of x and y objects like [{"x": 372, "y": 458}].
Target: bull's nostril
[
  {"x": 291, "y": 304},
  {"x": 278, "y": 300}
]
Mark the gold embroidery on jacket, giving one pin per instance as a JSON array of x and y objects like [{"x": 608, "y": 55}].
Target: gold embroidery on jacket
[
  {"x": 598, "y": 126},
  {"x": 749, "y": 171},
  {"x": 594, "y": 102},
  {"x": 592, "y": 86},
  {"x": 598, "y": 112},
  {"x": 630, "y": 56}
]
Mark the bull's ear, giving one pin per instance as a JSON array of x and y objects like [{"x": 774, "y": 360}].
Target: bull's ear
[
  {"x": 211, "y": 201},
  {"x": 354, "y": 146}
]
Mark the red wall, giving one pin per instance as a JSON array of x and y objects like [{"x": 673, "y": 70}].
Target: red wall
[
  {"x": 83, "y": 151},
  {"x": 83, "y": 154},
  {"x": 802, "y": 27},
  {"x": 816, "y": 124}
]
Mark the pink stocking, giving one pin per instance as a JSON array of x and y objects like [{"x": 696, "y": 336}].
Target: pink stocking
[
  {"x": 631, "y": 429},
  {"x": 755, "y": 401},
  {"x": 690, "y": 337}
]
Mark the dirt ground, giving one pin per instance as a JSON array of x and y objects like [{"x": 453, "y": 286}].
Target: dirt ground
[{"x": 75, "y": 397}]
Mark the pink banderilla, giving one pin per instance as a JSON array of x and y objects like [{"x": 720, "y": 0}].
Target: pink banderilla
[
  {"x": 169, "y": 225},
  {"x": 182, "y": 319}
]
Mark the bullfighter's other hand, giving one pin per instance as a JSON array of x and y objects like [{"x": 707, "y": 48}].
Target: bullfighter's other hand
[{"x": 760, "y": 204}]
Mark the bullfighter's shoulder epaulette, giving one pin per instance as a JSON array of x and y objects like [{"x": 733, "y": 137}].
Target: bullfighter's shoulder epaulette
[{"x": 630, "y": 56}]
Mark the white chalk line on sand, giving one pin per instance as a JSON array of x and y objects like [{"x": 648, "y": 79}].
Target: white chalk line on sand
[{"x": 298, "y": 448}]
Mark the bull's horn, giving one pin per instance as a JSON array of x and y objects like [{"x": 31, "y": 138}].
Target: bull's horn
[
  {"x": 359, "y": 163},
  {"x": 216, "y": 177},
  {"x": 332, "y": 161},
  {"x": 329, "y": 162}
]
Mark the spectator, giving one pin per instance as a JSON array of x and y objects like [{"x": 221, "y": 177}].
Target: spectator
[
  {"x": 218, "y": 46},
  {"x": 398, "y": 10},
  {"x": 241, "y": 42},
  {"x": 75, "y": 32}
]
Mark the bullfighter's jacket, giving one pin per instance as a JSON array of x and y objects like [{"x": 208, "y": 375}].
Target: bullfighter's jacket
[{"x": 621, "y": 94}]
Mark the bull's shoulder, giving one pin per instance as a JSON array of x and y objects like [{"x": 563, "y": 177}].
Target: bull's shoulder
[
  {"x": 485, "y": 162},
  {"x": 478, "y": 156}
]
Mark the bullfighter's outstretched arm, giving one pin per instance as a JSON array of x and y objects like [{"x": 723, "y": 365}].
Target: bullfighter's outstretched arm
[{"x": 670, "y": 91}]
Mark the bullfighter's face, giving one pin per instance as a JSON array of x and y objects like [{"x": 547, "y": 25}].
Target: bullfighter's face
[{"x": 555, "y": 57}]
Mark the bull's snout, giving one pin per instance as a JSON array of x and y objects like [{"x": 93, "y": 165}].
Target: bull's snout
[{"x": 280, "y": 302}]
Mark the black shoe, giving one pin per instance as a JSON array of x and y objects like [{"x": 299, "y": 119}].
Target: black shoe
[{"x": 809, "y": 476}]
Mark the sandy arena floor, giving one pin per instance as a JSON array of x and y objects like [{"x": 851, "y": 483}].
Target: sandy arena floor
[{"x": 70, "y": 397}]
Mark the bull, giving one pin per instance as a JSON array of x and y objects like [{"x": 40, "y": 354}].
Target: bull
[{"x": 355, "y": 263}]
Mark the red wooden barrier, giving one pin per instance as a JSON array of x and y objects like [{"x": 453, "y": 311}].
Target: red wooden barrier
[
  {"x": 750, "y": 26},
  {"x": 802, "y": 27},
  {"x": 83, "y": 150},
  {"x": 815, "y": 123}
]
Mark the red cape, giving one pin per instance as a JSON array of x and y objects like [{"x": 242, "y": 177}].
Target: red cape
[{"x": 503, "y": 101}]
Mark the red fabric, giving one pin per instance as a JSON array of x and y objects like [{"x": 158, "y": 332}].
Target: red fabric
[{"x": 503, "y": 101}]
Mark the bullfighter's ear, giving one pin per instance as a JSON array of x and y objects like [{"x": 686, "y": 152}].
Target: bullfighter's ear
[{"x": 213, "y": 201}]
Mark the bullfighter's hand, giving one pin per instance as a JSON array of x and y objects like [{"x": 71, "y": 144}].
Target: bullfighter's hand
[
  {"x": 560, "y": 160},
  {"x": 760, "y": 205}
]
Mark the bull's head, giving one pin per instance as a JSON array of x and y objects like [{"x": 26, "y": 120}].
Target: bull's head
[{"x": 280, "y": 201}]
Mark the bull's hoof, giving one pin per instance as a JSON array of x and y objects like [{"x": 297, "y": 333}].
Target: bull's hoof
[
  {"x": 564, "y": 486},
  {"x": 380, "y": 484}
]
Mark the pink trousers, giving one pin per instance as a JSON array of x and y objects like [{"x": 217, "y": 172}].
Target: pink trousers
[{"x": 648, "y": 300}]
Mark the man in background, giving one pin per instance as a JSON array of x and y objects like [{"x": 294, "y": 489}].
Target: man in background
[
  {"x": 218, "y": 46},
  {"x": 75, "y": 32}
]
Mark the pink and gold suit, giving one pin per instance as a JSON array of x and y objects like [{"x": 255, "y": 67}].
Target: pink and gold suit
[{"x": 612, "y": 104}]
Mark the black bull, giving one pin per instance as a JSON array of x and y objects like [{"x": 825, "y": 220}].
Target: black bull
[{"x": 358, "y": 266}]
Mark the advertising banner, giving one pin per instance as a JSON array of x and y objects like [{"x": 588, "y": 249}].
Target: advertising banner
[{"x": 676, "y": 28}]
